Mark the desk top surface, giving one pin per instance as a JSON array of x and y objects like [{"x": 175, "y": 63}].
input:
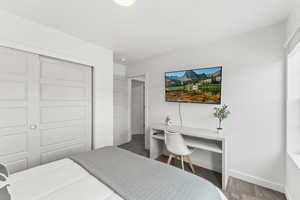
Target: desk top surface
[{"x": 194, "y": 132}]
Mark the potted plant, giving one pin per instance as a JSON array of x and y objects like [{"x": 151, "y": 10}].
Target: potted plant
[{"x": 221, "y": 113}]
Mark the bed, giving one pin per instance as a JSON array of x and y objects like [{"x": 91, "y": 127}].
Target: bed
[{"x": 96, "y": 176}]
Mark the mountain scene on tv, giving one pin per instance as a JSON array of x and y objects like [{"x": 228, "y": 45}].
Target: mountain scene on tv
[{"x": 194, "y": 86}]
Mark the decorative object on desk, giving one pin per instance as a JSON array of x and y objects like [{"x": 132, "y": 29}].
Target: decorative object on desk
[
  {"x": 168, "y": 121},
  {"x": 221, "y": 113}
]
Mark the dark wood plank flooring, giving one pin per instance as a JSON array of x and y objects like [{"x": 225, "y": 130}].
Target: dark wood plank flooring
[{"x": 236, "y": 189}]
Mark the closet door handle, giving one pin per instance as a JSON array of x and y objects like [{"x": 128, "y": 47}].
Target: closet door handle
[{"x": 33, "y": 126}]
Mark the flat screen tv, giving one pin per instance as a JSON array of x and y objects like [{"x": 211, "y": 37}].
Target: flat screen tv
[{"x": 201, "y": 85}]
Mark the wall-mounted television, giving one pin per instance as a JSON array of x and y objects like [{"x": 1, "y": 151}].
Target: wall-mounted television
[{"x": 201, "y": 85}]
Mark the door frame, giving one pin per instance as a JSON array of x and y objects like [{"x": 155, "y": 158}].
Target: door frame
[{"x": 143, "y": 78}]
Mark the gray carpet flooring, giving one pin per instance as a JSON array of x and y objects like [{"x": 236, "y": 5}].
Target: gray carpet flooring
[{"x": 236, "y": 189}]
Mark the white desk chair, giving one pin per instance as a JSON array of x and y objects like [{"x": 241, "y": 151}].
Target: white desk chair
[{"x": 176, "y": 146}]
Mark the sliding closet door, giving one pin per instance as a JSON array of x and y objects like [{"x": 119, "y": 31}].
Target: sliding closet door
[
  {"x": 65, "y": 108},
  {"x": 19, "y": 140},
  {"x": 45, "y": 109}
]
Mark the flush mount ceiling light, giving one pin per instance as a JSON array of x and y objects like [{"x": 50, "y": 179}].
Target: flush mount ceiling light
[{"x": 125, "y": 2}]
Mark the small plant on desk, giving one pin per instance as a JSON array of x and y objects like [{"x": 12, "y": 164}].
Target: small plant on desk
[{"x": 221, "y": 113}]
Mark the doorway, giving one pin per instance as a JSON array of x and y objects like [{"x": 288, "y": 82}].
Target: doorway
[
  {"x": 137, "y": 107},
  {"x": 137, "y": 115}
]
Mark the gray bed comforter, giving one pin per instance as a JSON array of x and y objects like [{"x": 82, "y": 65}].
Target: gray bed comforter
[{"x": 134, "y": 177}]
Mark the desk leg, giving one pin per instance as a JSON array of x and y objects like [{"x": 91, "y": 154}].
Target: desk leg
[
  {"x": 156, "y": 146},
  {"x": 224, "y": 165}
]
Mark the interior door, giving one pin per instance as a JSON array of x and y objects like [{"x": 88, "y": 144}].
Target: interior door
[
  {"x": 18, "y": 143},
  {"x": 65, "y": 108}
]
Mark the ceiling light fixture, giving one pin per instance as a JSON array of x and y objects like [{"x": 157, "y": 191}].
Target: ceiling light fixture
[{"x": 125, "y": 2}]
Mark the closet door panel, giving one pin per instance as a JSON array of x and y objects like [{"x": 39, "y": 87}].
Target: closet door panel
[
  {"x": 60, "y": 70},
  {"x": 13, "y": 62},
  {"x": 61, "y": 134},
  {"x": 65, "y": 109},
  {"x": 45, "y": 109},
  {"x": 62, "y": 152},
  {"x": 62, "y": 113},
  {"x": 15, "y": 103},
  {"x": 20, "y": 144},
  {"x": 59, "y": 92},
  {"x": 17, "y": 165},
  {"x": 11, "y": 117},
  {"x": 19, "y": 88}
]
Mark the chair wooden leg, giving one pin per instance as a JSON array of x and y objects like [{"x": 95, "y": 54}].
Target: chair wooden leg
[
  {"x": 191, "y": 164},
  {"x": 170, "y": 159},
  {"x": 182, "y": 163}
]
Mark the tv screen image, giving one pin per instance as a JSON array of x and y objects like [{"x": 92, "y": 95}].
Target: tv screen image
[{"x": 201, "y": 85}]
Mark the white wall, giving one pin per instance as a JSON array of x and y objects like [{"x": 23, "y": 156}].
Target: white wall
[
  {"x": 120, "y": 105},
  {"x": 293, "y": 102},
  {"x": 253, "y": 85},
  {"x": 292, "y": 171},
  {"x": 120, "y": 70},
  {"x": 19, "y": 33}
]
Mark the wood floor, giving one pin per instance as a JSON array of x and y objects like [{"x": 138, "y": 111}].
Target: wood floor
[{"x": 236, "y": 189}]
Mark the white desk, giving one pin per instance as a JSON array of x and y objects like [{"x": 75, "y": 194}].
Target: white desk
[{"x": 204, "y": 139}]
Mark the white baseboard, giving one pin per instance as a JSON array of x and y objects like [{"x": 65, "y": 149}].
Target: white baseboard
[
  {"x": 287, "y": 194},
  {"x": 257, "y": 181}
]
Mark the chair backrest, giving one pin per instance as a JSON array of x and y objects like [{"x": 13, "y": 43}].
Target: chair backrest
[{"x": 175, "y": 143}]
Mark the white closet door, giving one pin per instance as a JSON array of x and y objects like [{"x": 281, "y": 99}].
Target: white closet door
[
  {"x": 45, "y": 109},
  {"x": 65, "y": 109},
  {"x": 18, "y": 143}
]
